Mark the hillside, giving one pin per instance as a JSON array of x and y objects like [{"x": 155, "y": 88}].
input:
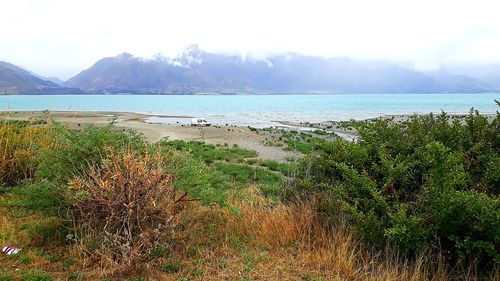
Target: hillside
[
  {"x": 195, "y": 71},
  {"x": 198, "y": 71},
  {"x": 16, "y": 80}
]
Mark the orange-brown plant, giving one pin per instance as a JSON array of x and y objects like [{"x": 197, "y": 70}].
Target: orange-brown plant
[{"x": 128, "y": 203}]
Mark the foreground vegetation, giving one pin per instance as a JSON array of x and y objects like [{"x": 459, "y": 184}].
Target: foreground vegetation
[{"x": 413, "y": 200}]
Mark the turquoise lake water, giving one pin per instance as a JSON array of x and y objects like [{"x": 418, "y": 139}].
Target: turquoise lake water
[{"x": 261, "y": 110}]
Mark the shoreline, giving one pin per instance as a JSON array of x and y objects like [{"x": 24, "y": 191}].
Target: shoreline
[
  {"x": 224, "y": 135},
  {"x": 216, "y": 135},
  {"x": 283, "y": 122}
]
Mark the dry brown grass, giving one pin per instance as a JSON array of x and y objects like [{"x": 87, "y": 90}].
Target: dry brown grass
[
  {"x": 262, "y": 242},
  {"x": 290, "y": 242}
]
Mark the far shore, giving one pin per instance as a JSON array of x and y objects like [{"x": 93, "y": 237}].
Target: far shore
[{"x": 217, "y": 134}]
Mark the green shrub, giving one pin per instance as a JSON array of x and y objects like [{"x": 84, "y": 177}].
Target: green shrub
[
  {"x": 270, "y": 164},
  {"x": 302, "y": 142},
  {"x": 422, "y": 183},
  {"x": 241, "y": 176},
  {"x": 76, "y": 150},
  {"x": 467, "y": 221},
  {"x": 197, "y": 179}
]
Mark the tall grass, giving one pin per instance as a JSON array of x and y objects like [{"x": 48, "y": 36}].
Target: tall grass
[
  {"x": 18, "y": 146},
  {"x": 295, "y": 232}
]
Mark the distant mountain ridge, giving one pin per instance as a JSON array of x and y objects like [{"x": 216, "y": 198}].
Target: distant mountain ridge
[
  {"x": 17, "y": 80},
  {"x": 488, "y": 74},
  {"x": 197, "y": 71}
]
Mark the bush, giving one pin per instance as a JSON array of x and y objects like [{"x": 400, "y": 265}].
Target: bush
[
  {"x": 131, "y": 201},
  {"x": 422, "y": 183},
  {"x": 467, "y": 221},
  {"x": 76, "y": 150},
  {"x": 194, "y": 177}
]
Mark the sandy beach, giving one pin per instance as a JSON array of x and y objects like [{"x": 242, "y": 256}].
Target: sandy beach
[{"x": 221, "y": 135}]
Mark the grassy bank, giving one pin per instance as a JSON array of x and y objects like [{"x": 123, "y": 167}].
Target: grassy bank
[{"x": 414, "y": 200}]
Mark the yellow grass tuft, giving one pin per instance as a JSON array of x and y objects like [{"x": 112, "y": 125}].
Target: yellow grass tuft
[{"x": 18, "y": 145}]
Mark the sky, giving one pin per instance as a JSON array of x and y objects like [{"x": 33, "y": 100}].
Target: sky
[{"x": 61, "y": 37}]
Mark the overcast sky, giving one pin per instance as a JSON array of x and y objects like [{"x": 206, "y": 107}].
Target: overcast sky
[{"x": 62, "y": 37}]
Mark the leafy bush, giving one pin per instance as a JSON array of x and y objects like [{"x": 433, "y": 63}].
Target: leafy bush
[
  {"x": 195, "y": 178},
  {"x": 78, "y": 149},
  {"x": 467, "y": 220},
  {"x": 284, "y": 168},
  {"x": 425, "y": 182}
]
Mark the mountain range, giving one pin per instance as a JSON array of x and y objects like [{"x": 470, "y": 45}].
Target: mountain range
[
  {"x": 197, "y": 71},
  {"x": 15, "y": 80}
]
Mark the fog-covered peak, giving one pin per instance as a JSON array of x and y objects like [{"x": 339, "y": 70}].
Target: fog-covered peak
[{"x": 124, "y": 56}]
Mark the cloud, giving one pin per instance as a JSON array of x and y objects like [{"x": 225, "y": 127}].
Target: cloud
[{"x": 63, "y": 37}]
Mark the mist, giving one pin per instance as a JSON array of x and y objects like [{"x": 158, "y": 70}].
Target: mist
[{"x": 60, "y": 38}]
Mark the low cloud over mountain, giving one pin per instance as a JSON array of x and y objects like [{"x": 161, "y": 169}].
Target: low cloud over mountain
[
  {"x": 198, "y": 71},
  {"x": 195, "y": 71}
]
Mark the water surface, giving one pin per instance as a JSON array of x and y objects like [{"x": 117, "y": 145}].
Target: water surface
[{"x": 260, "y": 110}]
